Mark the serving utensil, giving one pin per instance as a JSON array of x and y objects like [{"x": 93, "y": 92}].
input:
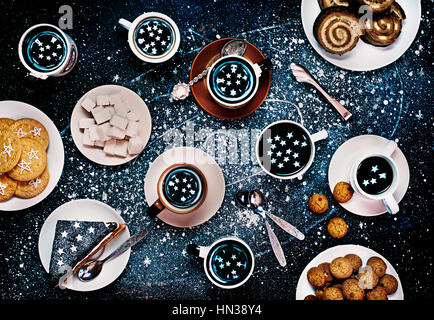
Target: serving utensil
[{"x": 302, "y": 75}]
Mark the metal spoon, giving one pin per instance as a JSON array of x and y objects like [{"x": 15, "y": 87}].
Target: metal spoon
[
  {"x": 233, "y": 47},
  {"x": 92, "y": 268}
]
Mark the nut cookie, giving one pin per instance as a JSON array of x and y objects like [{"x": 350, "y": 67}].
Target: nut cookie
[
  {"x": 318, "y": 203},
  {"x": 32, "y": 162},
  {"x": 31, "y": 129},
  {"x": 6, "y": 123},
  {"x": 343, "y": 192},
  {"x": 32, "y": 188},
  {"x": 7, "y": 187},
  {"x": 10, "y": 150}
]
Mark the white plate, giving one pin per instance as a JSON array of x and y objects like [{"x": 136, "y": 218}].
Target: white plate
[
  {"x": 213, "y": 175},
  {"x": 86, "y": 210},
  {"x": 136, "y": 103},
  {"x": 342, "y": 162},
  {"x": 304, "y": 288},
  {"x": 55, "y": 153},
  {"x": 365, "y": 57}
]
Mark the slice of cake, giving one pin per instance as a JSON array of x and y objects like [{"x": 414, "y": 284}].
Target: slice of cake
[{"x": 75, "y": 242}]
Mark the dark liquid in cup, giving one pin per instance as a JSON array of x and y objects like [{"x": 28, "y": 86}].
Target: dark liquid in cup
[
  {"x": 44, "y": 49},
  {"x": 154, "y": 37},
  {"x": 284, "y": 149},
  {"x": 232, "y": 80},
  {"x": 183, "y": 187},
  {"x": 229, "y": 262},
  {"x": 374, "y": 175}
]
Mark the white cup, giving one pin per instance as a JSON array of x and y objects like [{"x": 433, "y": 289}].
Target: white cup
[
  {"x": 149, "y": 16},
  {"x": 69, "y": 57},
  {"x": 312, "y": 139},
  {"x": 387, "y": 196}
]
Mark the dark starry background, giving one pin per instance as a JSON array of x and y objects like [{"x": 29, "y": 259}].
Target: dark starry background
[{"x": 394, "y": 102}]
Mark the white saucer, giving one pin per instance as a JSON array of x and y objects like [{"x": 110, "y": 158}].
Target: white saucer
[
  {"x": 86, "y": 210},
  {"x": 340, "y": 167},
  {"x": 136, "y": 103},
  {"x": 304, "y": 288},
  {"x": 213, "y": 175},
  {"x": 55, "y": 152},
  {"x": 361, "y": 57}
]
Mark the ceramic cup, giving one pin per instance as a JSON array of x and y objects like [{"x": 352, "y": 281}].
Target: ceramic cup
[
  {"x": 46, "y": 51},
  {"x": 232, "y": 81},
  {"x": 375, "y": 176},
  {"x": 285, "y": 149},
  {"x": 153, "y": 37},
  {"x": 181, "y": 189},
  {"x": 228, "y": 262}
]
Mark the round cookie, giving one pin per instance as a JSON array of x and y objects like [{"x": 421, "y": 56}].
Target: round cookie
[
  {"x": 7, "y": 187},
  {"x": 6, "y": 123},
  {"x": 310, "y": 297},
  {"x": 337, "y": 227},
  {"x": 10, "y": 150},
  {"x": 32, "y": 188},
  {"x": 325, "y": 268},
  {"x": 31, "y": 129},
  {"x": 343, "y": 192},
  {"x": 318, "y": 203},
  {"x": 352, "y": 291},
  {"x": 32, "y": 162},
  {"x": 341, "y": 268},
  {"x": 355, "y": 260},
  {"x": 378, "y": 293},
  {"x": 389, "y": 283},
  {"x": 332, "y": 293},
  {"x": 316, "y": 277},
  {"x": 378, "y": 265},
  {"x": 368, "y": 279}
]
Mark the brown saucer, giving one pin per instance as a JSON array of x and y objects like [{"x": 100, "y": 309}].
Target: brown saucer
[{"x": 206, "y": 57}]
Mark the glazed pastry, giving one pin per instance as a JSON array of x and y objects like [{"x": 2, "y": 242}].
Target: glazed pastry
[
  {"x": 378, "y": 265},
  {"x": 384, "y": 28},
  {"x": 325, "y": 268},
  {"x": 355, "y": 260},
  {"x": 316, "y": 277},
  {"x": 389, "y": 283},
  {"x": 376, "y": 5},
  {"x": 311, "y": 297},
  {"x": 337, "y": 29},
  {"x": 368, "y": 279},
  {"x": 331, "y": 3},
  {"x": 341, "y": 268},
  {"x": 378, "y": 293},
  {"x": 332, "y": 293}
]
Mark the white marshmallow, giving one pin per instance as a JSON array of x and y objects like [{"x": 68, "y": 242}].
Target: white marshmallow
[
  {"x": 88, "y": 104},
  {"x": 115, "y": 99},
  {"x": 136, "y": 145},
  {"x": 116, "y": 133},
  {"x": 102, "y": 100},
  {"x": 121, "y": 109},
  {"x": 86, "y": 139},
  {"x": 85, "y": 123},
  {"x": 109, "y": 147},
  {"x": 101, "y": 115},
  {"x": 132, "y": 129},
  {"x": 99, "y": 144},
  {"x": 110, "y": 109},
  {"x": 131, "y": 115},
  {"x": 103, "y": 130},
  {"x": 93, "y": 133},
  {"x": 118, "y": 121},
  {"x": 121, "y": 148}
]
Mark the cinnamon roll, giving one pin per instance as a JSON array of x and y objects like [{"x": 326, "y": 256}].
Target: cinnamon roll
[
  {"x": 376, "y": 5},
  {"x": 332, "y": 3},
  {"x": 384, "y": 28},
  {"x": 337, "y": 29}
]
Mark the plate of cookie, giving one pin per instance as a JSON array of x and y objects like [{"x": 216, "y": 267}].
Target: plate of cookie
[
  {"x": 31, "y": 155},
  {"x": 111, "y": 125},
  {"x": 349, "y": 272},
  {"x": 348, "y": 33}
]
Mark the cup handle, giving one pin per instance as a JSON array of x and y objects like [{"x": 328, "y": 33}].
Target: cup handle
[
  {"x": 155, "y": 209},
  {"x": 197, "y": 251},
  {"x": 320, "y": 135},
  {"x": 391, "y": 204},
  {"x": 390, "y": 148},
  {"x": 125, "y": 23},
  {"x": 261, "y": 66}
]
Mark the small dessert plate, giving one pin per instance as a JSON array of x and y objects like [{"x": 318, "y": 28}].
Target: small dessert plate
[
  {"x": 304, "y": 288},
  {"x": 206, "y": 58},
  {"x": 361, "y": 57},
  {"x": 344, "y": 159},
  {"x": 55, "y": 152},
  {"x": 130, "y": 98},
  {"x": 212, "y": 173},
  {"x": 86, "y": 210}
]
